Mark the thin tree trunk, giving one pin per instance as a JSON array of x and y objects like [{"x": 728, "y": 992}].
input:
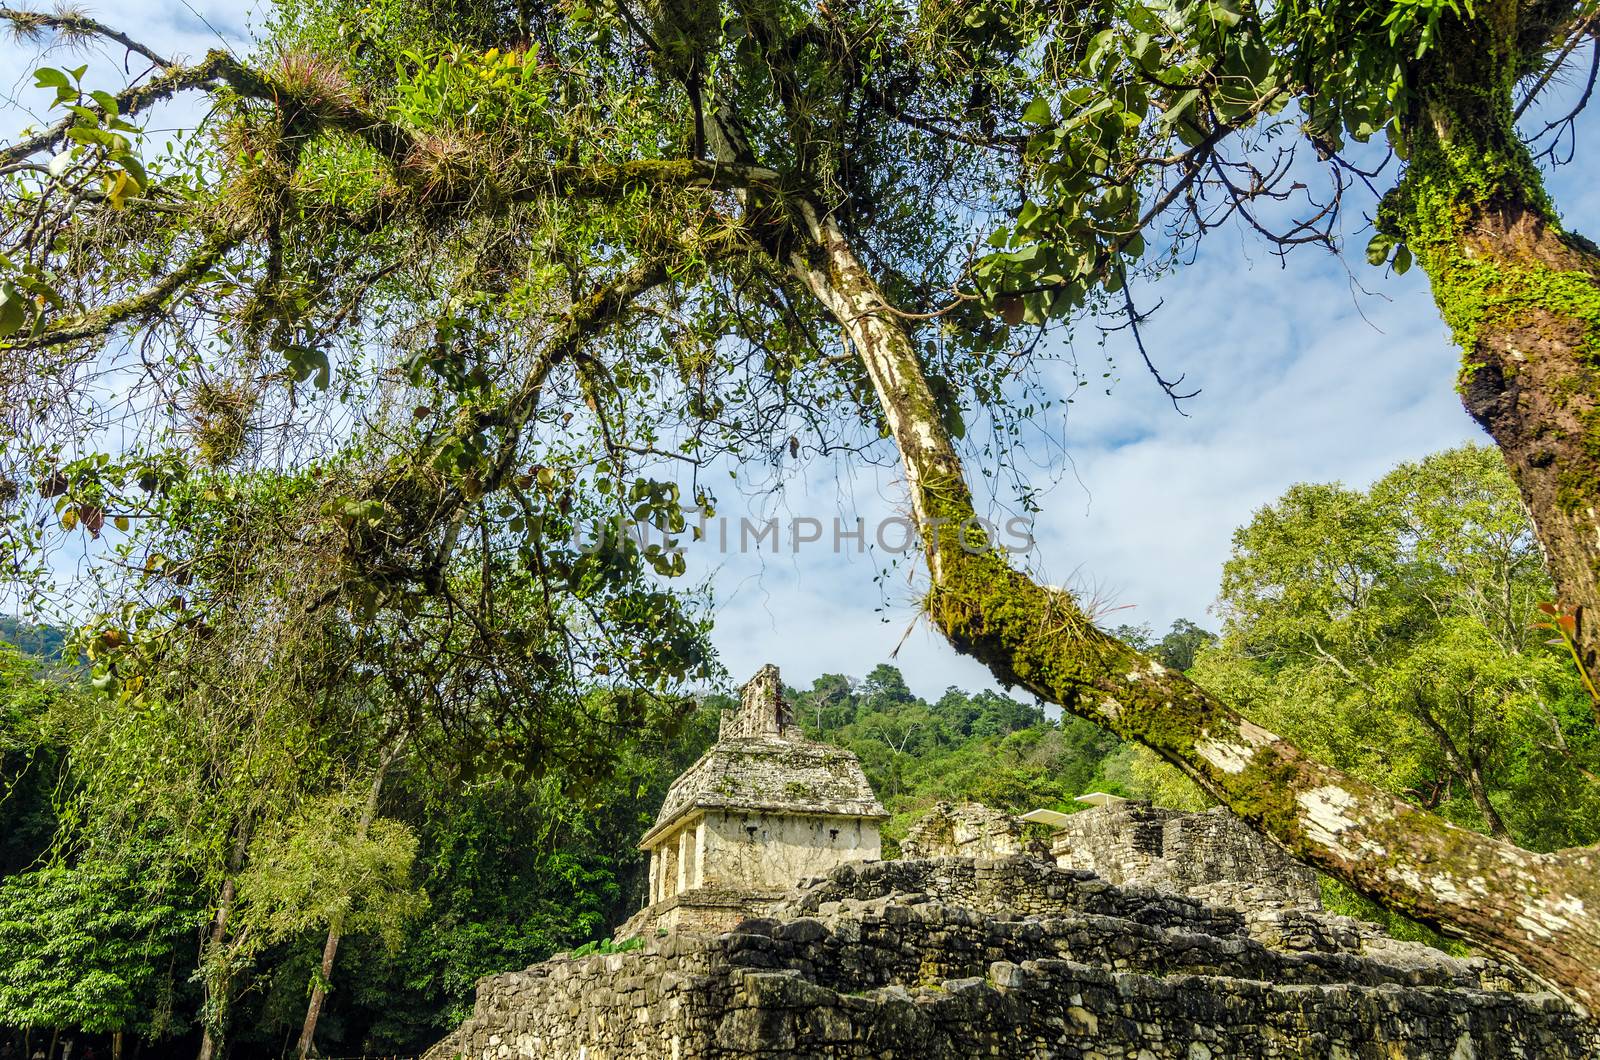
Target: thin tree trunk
[
  {"x": 308, "y": 1029},
  {"x": 1521, "y": 296},
  {"x": 1480, "y": 798},
  {"x": 1539, "y": 911},
  {"x": 330, "y": 949},
  {"x": 216, "y": 991},
  {"x": 219, "y": 927},
  {"x": 1466, "y": 770}
]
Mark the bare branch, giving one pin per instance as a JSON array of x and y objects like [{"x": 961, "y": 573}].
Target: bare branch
[{"x": 74, "y": 24}]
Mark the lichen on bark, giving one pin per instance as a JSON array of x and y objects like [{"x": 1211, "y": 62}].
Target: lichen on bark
[{"x": 1468, "y": 884}]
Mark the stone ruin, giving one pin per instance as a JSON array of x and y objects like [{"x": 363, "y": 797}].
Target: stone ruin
[
  {"x": 971, "y": 830},
  {"x": 1211, "y": 856},
  {"x": 1124, "y": 932},
  {"x": 762, "y": 808}
]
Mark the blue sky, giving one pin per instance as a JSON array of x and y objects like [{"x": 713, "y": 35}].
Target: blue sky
[{"x": 1304, "y": 377}]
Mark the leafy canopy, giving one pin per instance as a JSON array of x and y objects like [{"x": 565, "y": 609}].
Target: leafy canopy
[{"x": 1390, "y": 632}]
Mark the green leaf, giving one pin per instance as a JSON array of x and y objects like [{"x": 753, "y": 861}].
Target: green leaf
[
  {"x": 1402, "y": 260},
  {"x": 134, "y": 168},
  {"x": 1039, "y": 113},
  {"x": 85, "y": 135},
  {"x": 12, "y": 313},
  {"x": 1174, "y": 112},
  {"x": 1225, "y": 11},
  {"x": 1378, "y": 249},
  {"x": 50, "y": 77},
  {"x": 1099, "y": 45}
]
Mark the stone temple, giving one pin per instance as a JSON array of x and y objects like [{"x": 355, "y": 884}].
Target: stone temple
[
  {"x": 761, "y": 810},
  {"x": 1124, "y": 932}
]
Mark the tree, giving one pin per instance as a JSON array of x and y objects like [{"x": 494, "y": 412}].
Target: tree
[
  {"x": 1181, "y": 644},
  {"x": 829, "y": 702},
  {"x": 511, "y": 260},
  {"x": 87, "y": 947},
  {"x": 371, "y": 891},
  {"x": 1172, "y": 119},
  {"x": 334, "y": 867},
  {"x": 1387, "y": 632},
  {"x": 44, "y": 642},
  {"x": 1176, "y": 649},
  {"x": 885, "y": 687},
  {"x": 234, "y": 704},
  {"x": 981, "y": 746},
  {"x": 31, "y": 759}
]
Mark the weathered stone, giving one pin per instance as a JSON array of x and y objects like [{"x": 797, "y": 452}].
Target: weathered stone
[
  {"x": 1211, "y": 856},
  {"x": 1077, "y": 969},
  {"x": 762, "y": 809},
  {"x": 972, "y": 830},
  {"x": 1207, "y": 942}
]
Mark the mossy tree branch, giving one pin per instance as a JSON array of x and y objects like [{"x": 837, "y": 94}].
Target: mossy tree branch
[
  {"x": 1520, "y": 295},
  {"x": 307, "y": 112},
  {"x": 75, "y": 26},
  {"x": 99, "y": 323},
  {"x": 423, "y": 505},
  {"x": 1539, "y": 911},
  {"x": 131, "y": 101}
]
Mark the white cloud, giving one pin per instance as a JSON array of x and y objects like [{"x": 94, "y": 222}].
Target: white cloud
[{"x": 1297, "y": 386}]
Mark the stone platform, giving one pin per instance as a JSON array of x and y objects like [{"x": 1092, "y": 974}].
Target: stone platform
[{"x": 955, "y": 957}]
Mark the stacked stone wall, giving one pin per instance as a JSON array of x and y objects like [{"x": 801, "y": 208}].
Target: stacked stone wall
[
  {"x": 970, "y": 830},
  {"x": 953, "y": 958},
  {"x": 1009, "y": 888},
  {"x": 1211, "y": 856}
]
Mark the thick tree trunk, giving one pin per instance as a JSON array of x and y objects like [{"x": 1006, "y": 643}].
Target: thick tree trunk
[
  {"x": 1521, "y": 296},
  {"x": 1539, "y": 911},
  {"x": 1525, "y": 302}
]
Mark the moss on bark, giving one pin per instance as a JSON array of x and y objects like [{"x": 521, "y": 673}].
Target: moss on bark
[
  {"x": 1039, "y": 638},
  {"x": 1521, "y": 296}
]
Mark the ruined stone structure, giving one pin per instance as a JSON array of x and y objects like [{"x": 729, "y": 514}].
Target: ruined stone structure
[
  {"x": 1150, "y": 935},
  {"x": 970, "y": 830},
  {"x": 1211, "y": 856},
  {"x": 762, "y": 809},
  {"x": 958, "y": 957}
]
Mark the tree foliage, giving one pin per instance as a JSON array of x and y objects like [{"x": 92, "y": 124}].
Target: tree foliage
[
  {"x": 327, "y": 385},
  {"x": 31, "y": 756},
  {"x": 981, "y": 746},
  {"x": 1391, "y": 631},
  {"x": 90, "y": 948}
]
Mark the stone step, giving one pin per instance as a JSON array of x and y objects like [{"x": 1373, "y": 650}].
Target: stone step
[
  {"x": 1063, "y": 1009},
  {"x": 861, "y": 944},
  {"x": 1010, "y": 886},
  {"x": 956, "y": 958}
]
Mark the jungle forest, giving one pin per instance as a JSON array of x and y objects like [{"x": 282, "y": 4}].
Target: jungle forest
[{"x": 319, "y": 359}]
